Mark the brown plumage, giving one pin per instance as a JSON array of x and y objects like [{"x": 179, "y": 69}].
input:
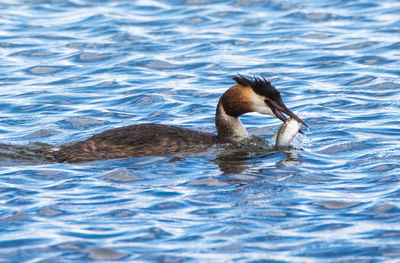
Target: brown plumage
[{"x": 136, "y": 141}]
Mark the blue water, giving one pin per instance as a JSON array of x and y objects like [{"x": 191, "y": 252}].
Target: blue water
[{"x": 71, "y": 69}]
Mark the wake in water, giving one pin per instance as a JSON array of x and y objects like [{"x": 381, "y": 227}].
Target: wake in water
[{"x": 34, "y": 153}]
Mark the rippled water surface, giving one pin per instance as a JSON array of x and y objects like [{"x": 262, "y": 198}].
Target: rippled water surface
[{"x": 70, "y": 69}]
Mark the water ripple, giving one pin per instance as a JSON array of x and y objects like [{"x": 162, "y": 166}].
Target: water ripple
[{"x": 70, "y": 69}]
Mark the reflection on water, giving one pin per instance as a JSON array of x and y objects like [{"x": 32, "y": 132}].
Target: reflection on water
[{"x": 71, "y": 69}]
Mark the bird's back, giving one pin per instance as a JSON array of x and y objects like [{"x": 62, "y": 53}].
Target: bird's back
[{"x": 136, "y": 141}]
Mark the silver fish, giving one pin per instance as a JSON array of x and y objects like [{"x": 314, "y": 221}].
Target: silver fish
[{"x": 287, "y": 132}]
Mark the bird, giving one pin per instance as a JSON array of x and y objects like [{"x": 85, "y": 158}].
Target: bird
[{"x": 149, "y": 139}]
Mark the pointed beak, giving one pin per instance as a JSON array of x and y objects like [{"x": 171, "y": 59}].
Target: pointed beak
[{"x": 280, "y": 109}]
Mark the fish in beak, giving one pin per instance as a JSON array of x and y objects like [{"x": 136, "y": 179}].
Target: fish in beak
[{"x": 279, "y": 109}]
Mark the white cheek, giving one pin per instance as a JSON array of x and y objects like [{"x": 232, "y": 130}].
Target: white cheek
[{"x": 258, "y": 105}]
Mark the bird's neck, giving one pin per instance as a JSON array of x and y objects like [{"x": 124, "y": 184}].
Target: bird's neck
[{"x": 229, "y": 128}]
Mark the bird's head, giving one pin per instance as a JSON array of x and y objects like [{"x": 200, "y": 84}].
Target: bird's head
[{"x": 255, "y": 95}]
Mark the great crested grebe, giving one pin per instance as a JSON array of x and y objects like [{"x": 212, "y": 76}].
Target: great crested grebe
[{"x": 248, "y": 95}]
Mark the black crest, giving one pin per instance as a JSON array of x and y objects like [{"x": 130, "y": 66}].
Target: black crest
[{"x": 260, "y": 86}]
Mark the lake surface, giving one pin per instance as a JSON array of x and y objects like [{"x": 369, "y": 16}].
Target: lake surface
[{"x": 71, "y": 69}]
